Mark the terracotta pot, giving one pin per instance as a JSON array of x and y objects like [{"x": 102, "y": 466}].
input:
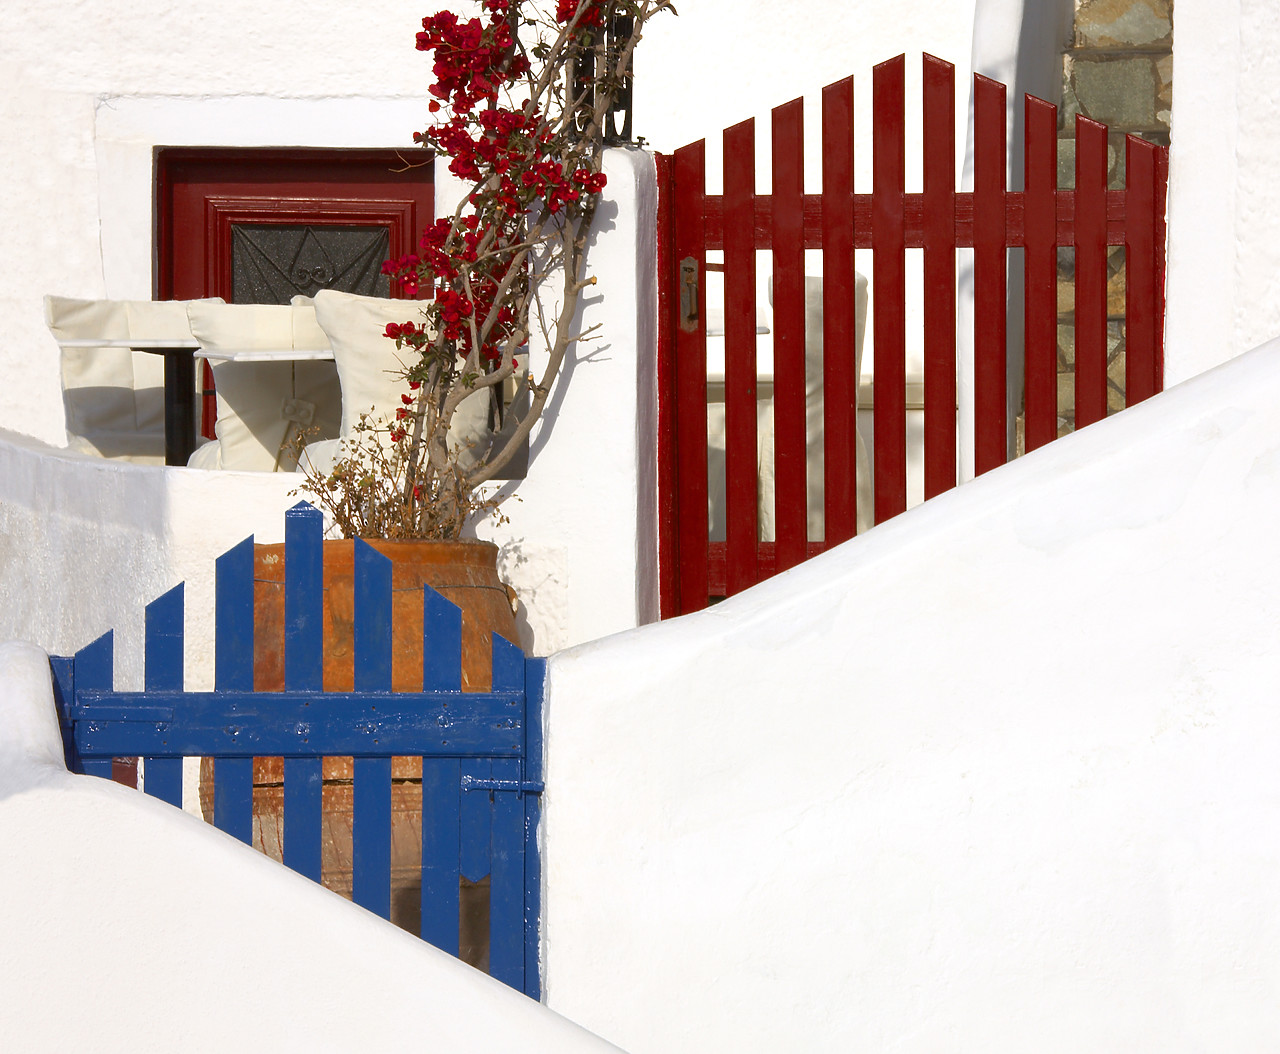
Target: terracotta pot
[{"x": 464, "y": 572}]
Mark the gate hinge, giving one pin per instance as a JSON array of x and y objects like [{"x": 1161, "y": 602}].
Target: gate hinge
[{"x": 521, "y": 787}]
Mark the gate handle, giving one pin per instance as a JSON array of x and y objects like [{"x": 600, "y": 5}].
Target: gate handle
[{"x": 689, "y": 295}]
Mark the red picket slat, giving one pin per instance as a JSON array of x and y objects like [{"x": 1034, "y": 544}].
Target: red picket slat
[
  {"x": 840, "y": 385},
  {"x": 789, "y": 425},
  {"x": 741, "y": 459},
  {"x": 1040, "y": 263},
  {"x": 990, "y": 267},
  {"x": 667, "y": 388},
  {"x": 1162, "y": 187},
  {"x": 1140, "y": 272},
  {"x": 888, "y": 283},
  {"x": 689, "y": 177},
  {"x": 1091, "y": 271},
  {"x": 939, "y": 276}
]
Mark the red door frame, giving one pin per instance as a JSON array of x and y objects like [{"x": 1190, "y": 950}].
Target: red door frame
[{"x": 202, "y": 192}]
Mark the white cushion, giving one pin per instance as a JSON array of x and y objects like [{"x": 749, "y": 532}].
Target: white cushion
[
  {"x": 236, "y": 327},
  {"x": 161, "y": 319},
  {"x": 207, "y": 455},
  {"x": 114, "y": 397},
  {"x": 371, "y": 368},
  {"x": 266, "y": 409},
  {"x": 815, "y": 460}
]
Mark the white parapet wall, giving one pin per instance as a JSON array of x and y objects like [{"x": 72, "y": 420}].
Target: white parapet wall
[
  {"x": 998, "y": 775},
  {"x": 130, "y": 926},
  {"x": 85, "y": 544}
]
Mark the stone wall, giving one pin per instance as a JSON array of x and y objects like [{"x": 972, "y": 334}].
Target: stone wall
[{"x": 1117, "y": 69}]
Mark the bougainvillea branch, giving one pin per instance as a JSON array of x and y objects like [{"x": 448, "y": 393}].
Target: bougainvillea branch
[{"x": 518, "y": 121}]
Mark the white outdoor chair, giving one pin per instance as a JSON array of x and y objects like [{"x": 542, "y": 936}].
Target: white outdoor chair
[
  {"x": 814, "y": 428},
  {"x": 114, "y": 396},
  {"x": 815, "y": 461},
  {"x": 272, "y": 398},
  {"x": 370, "y": 369}
]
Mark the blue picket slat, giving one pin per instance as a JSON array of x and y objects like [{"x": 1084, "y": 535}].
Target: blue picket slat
[
  {"x": 233, "y": 672},
  {"x": 371, "y": 793},
  {"x": 441, "y": 820},
  {"x": 303, "y": 672},
  {"x": 96, "y": 767},
  {"x": 303, "y": 598},
  {"x": 233, "y": 797},
  {"x": 303, "y": 803},
  {"x": 162, "y": 778},
  {"x": 441, "y": 778},
  {"x": 63, "y": 671},
  {"x": 372, "y": 636},
  {"x": 535, "y": 675},
  {"x": 506, "y": 882},
  {"x": 371, "y": 835},
  {"x": 163, "y": 659},
  {"x": 233, "y": 619},
  {"x": 477, "y": 819},
  {"x": 163, "y": 671},
  {"x": 95, "y": 669},
  {"x": 441, "y": 643}
]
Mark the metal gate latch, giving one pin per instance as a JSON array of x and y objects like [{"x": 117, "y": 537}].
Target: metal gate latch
[
  {"x": 689, "y": 295},
  {"x": 522, "y": 787}
]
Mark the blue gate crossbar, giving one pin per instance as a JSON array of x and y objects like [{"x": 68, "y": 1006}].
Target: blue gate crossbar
[{"x": 308, "y": 724}]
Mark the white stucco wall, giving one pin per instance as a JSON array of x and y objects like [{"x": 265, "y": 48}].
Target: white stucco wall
[
  {"x": 581, "y": 547},
  {"x": 1224, "y": 230},
  {"x": 130, "y": 926},
  {"x": 85, "y": 544},
  {"x": 998, "y": 775},
  {"x": 722, "y": 61}
]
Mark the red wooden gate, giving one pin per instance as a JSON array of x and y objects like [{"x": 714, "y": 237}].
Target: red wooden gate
[{"x": 888, "y": 221}]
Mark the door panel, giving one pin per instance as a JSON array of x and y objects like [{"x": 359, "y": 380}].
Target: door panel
[{"x": 205, "y": 197}]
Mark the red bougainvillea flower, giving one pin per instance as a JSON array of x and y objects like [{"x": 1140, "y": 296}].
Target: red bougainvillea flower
[
  {"x": 592, "y": 15},
  {"x": 515, "y": 157}
]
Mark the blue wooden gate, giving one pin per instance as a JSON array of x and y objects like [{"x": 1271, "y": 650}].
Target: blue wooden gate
[{"x": 481, "y": 751}]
